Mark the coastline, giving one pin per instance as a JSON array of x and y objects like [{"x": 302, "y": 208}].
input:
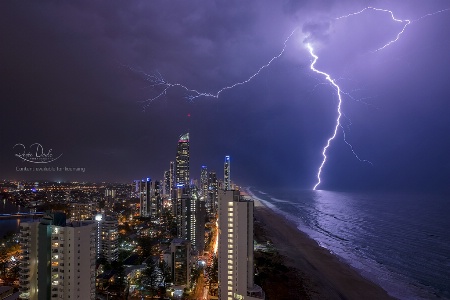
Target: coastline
[{"x": 324, "y": 275}]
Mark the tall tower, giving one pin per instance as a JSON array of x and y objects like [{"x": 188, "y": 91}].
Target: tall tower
[
  {"x": 226, "y": 172},
  {"x": 144, "y": 197},
  {"x": 182, "y": 161},
  {"x": 204, "y": 181},
  {"x": 236, "y": 274},
  {"x": 213, "y": 189},
  {"x": 172, "y": 183}
]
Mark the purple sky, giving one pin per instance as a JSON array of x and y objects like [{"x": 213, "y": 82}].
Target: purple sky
[{"x": 72, "y": 79}]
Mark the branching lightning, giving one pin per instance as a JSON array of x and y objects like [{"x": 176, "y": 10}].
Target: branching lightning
[
  {"x": 331, "y": 81},
  {"x": 157, "y": 80}
]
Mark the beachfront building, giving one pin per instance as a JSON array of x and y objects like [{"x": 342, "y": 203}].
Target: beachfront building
[
  {"x": 58, "y": 259},
  {"x": 235, "y": 250}
]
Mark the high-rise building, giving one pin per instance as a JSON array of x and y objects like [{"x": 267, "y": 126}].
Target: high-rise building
[
  {"x": 182, "y": 161},
  {"x": 58, "y": 259},
  {"x": 235, "y": 250},
  {"x": 226, "y": 173},
  {"x": 166, "y": 185},
  {"x": 156, "y": 201},
  {"x": 144, "y": 197},
  {"x": 169, "y": 181},
  {"x": 110, "y": 193},
  {"x": 172, "y": 179},
  {"x": 150, "y": 198},
  {"x": 204, "y": 182},
  {"x": 107, "y": 238},
  {"x": 82, "y": 211},
  {"x": 180, "y": 264},
  {"x": 190, "y": 217},
  {"x": 213, "y": 190}
]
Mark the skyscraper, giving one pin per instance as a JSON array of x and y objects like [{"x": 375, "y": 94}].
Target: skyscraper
[
  {"x": 169, "y": 180},
  {"x": 180, "y": 263},
  {"x": 144, "y": 197},
  {"x": 235, "y": 254},
  {"x": 204, "y": 182},
  {"x": 226, "y": 172},
  {"x": 182, "y": 161},
  {"x": 213, "y": 189}
]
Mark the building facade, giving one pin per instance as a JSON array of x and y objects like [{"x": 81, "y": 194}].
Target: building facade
[
  {"x": 180, "y": 263},
  {"x": 144, "y": 197},
  {"x": 235, "y": 250},
  {"x": 58, "y": 259},
  {"x": 226, "y": 173},
  {"x": 182, "y": 161},
  {"x": 204, "y": 182},
  {"x": 82, "y": 211},
  {"x": 213, "y": 194},
  {"x": 107, "y": 238}
]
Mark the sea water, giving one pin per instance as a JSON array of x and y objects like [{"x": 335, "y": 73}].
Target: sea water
[
  {"x": 399, "y": 241},
  {"x": 8, "y": 226}
]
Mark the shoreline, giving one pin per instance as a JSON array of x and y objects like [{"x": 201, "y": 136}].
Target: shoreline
[{"x": 324, "y": 275}]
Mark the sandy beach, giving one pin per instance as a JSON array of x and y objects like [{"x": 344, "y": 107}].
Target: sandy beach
[{"x": 323, "y": 275}]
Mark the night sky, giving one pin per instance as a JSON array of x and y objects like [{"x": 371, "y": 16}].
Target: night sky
[{"x": 75, "y": 78}]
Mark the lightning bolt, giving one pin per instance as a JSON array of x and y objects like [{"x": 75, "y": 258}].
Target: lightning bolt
[
  {"x": 338, "y": 120},
  {"x": 157, "y": 80},
  {"x": 406, "y": 23}
]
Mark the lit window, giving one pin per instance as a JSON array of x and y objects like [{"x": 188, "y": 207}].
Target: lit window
[{"x": 230, "y": 203}]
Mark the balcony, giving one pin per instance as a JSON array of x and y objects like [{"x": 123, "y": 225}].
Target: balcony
[{"x": 24, "y": 272}]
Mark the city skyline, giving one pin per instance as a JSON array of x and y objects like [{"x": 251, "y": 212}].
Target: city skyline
[{"x": 76, "y": 86}]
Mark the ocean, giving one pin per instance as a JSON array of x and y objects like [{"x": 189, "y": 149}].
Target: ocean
[
  {"x": 399, "y": 241},
  {"x": 10, "y": 225}
]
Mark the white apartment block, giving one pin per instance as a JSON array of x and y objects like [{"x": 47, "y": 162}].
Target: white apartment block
[
  {"x": 107, "y": 238},
  {"x": 236, "y": 270},
  {"x": 58, "y": 259}
]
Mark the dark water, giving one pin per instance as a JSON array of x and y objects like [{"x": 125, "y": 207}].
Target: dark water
[
  {"x": 399, "y": 241},
  {"x": 10, "y": 225}
]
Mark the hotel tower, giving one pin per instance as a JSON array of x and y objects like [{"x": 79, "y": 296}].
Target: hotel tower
[{"x": 235, "y": 251}]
